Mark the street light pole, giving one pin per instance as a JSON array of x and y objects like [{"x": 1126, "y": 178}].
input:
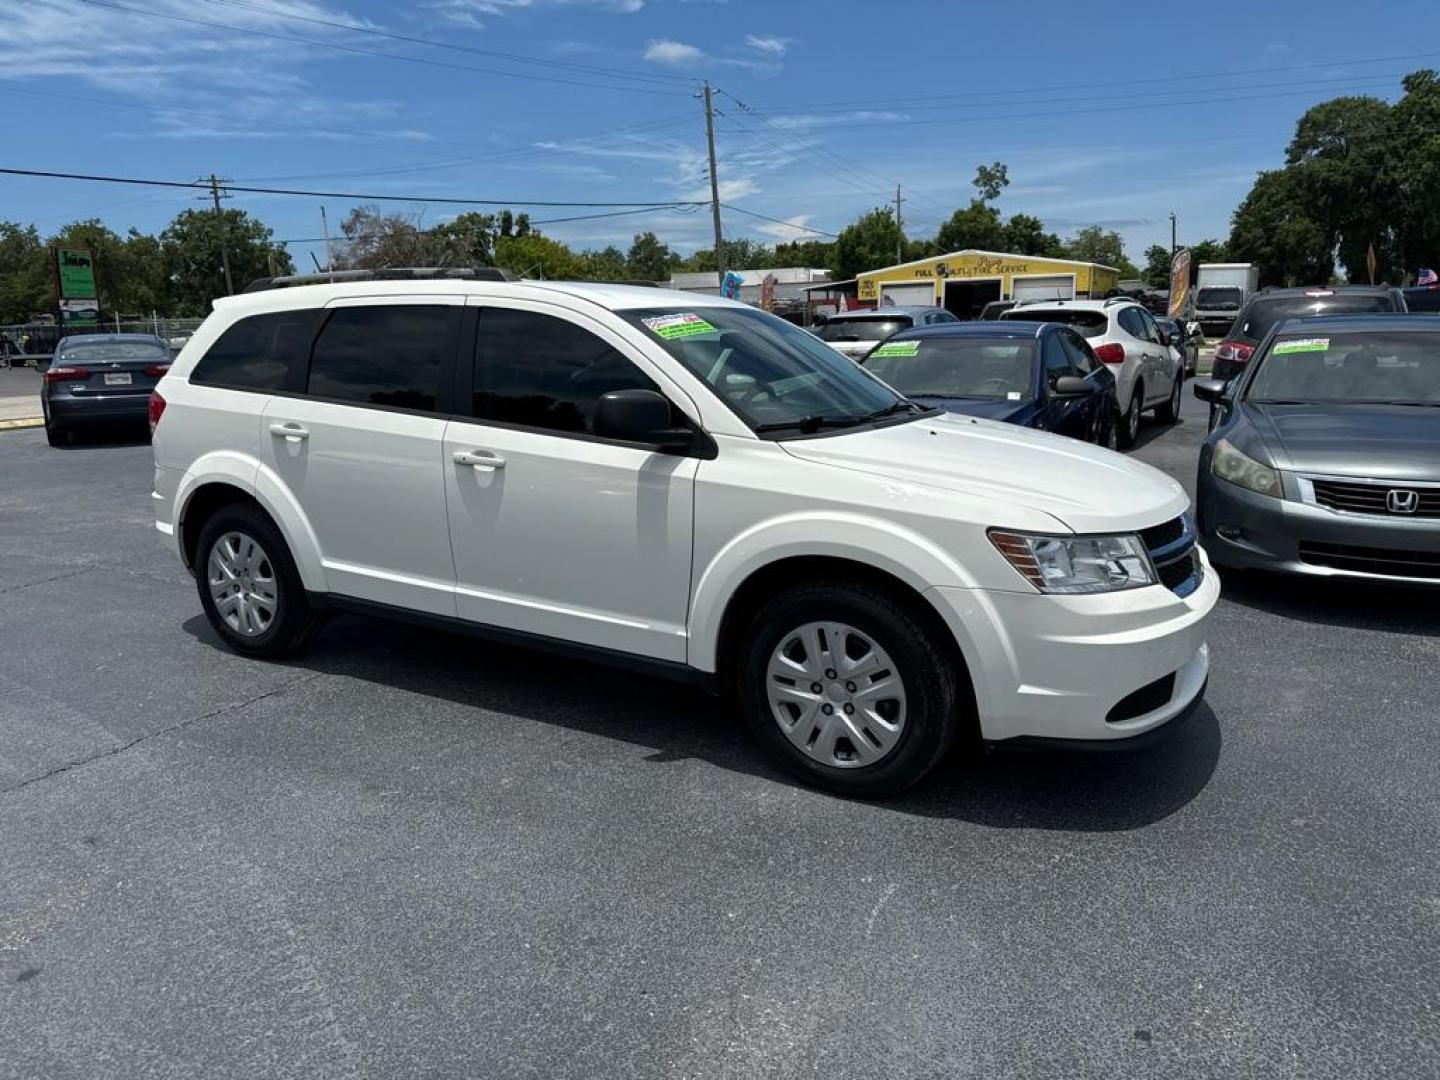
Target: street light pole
[{"x": 1172, "y": 234}]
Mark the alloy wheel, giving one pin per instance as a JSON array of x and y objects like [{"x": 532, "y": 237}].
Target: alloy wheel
[
  {"x": 242, "y": 584},
  {"x": 836, "y": 694}
]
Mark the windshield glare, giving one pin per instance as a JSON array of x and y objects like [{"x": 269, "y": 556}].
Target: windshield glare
[
  {"x": 1218, "y": 299},
  {"x": 101, "y": 352},
  {"x": 957, "y": 368},
  {"x": 767, "y": 370},
  {"x": 1402, "y": 367},
  {"x": 1261, "y": 315},
  {"x": 1092, "y": 324},
  {"x": 861, "y": 329}
]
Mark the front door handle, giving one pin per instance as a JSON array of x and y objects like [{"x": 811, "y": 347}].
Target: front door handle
[
  {"x": 289, "y": 432},
  {"x": 479, "y": 459}
]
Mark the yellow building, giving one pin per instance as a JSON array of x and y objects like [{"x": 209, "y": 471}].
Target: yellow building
[{"x": 965, "y": 281}]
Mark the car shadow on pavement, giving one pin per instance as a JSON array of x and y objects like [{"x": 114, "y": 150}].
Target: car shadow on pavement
[
  {"x": 1077, "y": 792},
  {"x": 1341, "y": 602}
]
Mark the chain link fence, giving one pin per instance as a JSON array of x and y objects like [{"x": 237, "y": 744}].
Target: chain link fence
[{"x": 24, "y": 343}]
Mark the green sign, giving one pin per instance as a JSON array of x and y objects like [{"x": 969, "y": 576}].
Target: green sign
[
  {"x": 75, "y": 271},
  {"x": 897, "y": 348}
]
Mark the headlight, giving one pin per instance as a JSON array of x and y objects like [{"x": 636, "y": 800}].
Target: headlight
[
  {"x": 1230, "y": 464},
  {"x": 1077, "y": 564}
]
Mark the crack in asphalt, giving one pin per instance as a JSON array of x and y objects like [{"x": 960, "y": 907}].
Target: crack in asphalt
[
  {"x": 179, "y": 725},
  {"x": 46, "y": 581}
]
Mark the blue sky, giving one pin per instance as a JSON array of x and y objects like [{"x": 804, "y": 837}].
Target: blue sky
[{"x": 1112, "y": 114}]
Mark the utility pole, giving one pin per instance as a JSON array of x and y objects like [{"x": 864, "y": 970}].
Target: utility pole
[
  {"x": 899, "y": 229},
  {"x": 714, "y": 182},
  {"x": 325, "y": 232},
  {"x": 220, "y": 229},
  {"x": 1172, "y": 234}
]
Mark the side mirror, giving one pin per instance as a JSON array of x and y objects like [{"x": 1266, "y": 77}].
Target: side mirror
[
  {"x": 1164, "y": 335},
  {"x": 641, "y": 416},
  {"x": 1215, "y": 391},
  {"x": 1071, "y": 386}
]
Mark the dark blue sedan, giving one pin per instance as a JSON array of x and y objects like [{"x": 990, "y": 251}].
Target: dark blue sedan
[{"x": 1037, "y": 375}]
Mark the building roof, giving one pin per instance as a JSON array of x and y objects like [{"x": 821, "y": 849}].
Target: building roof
[{"x": 991, "y": 254}]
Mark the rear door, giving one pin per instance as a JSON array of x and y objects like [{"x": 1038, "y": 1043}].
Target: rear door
[{"x": 360, "y": 448}]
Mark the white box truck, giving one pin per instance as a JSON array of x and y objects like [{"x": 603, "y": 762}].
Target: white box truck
[{"x": 1221, "y": 290}]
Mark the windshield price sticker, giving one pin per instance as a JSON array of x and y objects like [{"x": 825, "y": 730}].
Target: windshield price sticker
[
  {"x": 1314, "y": 344},
  {"x": 670, "y": 327},
  {"x": 897, "y": 348}
]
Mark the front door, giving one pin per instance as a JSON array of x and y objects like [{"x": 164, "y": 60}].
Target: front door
[
  {"x": 360, "y": 449},
  {"x": 557, "y": 532}
]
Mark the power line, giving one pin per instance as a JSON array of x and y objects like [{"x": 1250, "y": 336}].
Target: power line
[
  {"x": 355, "y": 196},
  {"x": 336, "y": 46},
  {"x": 779, "y": 221},
  {"x": 514, "y": 58},
  {"x": 676, "y": 207}
]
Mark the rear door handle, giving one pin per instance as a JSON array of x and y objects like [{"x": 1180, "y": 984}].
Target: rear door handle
[
  {"x": 289, "y": 432},
  {"x": 479, "y": 459}
]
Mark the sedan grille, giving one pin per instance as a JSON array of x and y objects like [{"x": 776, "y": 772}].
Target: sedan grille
[
  {"x": 1358, "y": 498},
  {"x": 1172, "y": 552},
  {"x": 1385, "y": 562}
]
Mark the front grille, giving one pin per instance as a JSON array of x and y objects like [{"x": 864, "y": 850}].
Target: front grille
[
  {"x": 1172, "y": 552},
  {"x": 1386, "y": 562},
  {"x": 1374, "y": 498},
  {"x": 1148, "y": 698}
]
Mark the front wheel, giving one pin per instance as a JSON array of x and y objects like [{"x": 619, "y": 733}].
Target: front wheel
[{"x": 847, "y": 689}]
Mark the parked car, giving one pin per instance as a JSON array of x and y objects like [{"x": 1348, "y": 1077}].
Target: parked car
[
  {"x": 1123, "y": 336},
  {"x": 855, "y": 333},
  {"x": 994, "y": 309},
  {"x": 1185, "y": 339},
  {"x": 1326, "y": 460},
  {"x": 1036, "y": 375},
  {"x": 1270, "y": 307},
  {"x": 689, "y": 487},
  {"x": 1422, "y": 298},
  {"x": 98, "y": 379}
]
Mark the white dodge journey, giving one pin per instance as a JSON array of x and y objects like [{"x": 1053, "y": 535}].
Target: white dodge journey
[{"x": 684, "y": 485}]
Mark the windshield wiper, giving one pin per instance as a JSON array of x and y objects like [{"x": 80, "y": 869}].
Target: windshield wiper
[
  {"x": 903, "y": 405},
  {"x": 807, "y": 425}
]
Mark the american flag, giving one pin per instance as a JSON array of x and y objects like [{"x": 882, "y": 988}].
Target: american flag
[{"x": 1427, "y": 277}]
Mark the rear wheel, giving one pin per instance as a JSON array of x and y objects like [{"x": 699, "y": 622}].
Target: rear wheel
[
  {"x": 1169, "y": 413},
  {"x": 249, "y": 587},
  {"x": 1130, "y": 420},
  {"x": 847, "y": 689},
  {"x": 56, "y": 435}
]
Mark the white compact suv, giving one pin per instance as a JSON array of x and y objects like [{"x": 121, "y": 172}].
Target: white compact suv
[
  {"x": 1148, "y": 373},
  {"x": 686, "y": 485}
]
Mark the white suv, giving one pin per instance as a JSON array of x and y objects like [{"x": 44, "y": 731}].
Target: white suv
[
  {"x": 686, "y": 485},
  {"x": 1148, "y": 373}
]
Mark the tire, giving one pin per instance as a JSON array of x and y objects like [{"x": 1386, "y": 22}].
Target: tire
[
  {"x": 1169, "y": 413},
  {"x": 263, "y": 572},
  {"x": 1130, "y": 420},
  {"x": 906, "y": 734},
  {"x": 56, "y": 436}
]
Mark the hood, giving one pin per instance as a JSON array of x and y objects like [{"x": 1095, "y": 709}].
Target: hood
[
  {"x": 1390, "y": 442},
  {"x": 1009, "y": 412},
  {"x": 1087, "y": 489}
]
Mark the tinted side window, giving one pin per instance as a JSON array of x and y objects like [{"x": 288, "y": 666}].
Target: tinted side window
[
  {"x": 262, "y": 352},
  {"x": 1057, "y": 361},
  {"x": 384, "y": 355},
  {"x": 1148, "y": 329},
  {"x": 541, "y": 371},
  {"x": 1129, "y": 320},
  {"x": 1080, "y": 355}
]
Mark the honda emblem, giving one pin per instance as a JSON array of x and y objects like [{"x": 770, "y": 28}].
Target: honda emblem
[{"x": 1399, "y": 501}]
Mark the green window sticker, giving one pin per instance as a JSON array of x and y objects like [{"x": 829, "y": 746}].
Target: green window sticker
[
  {"x": 897, "y": 348},
  {"x": 1313, "y": 344},
  {"x": 671, "y": 327}
]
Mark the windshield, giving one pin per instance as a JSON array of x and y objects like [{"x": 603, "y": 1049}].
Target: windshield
[
  {"x": 102, "y": 352},
  {"x": 1090, "y": 323},
  {"x": 998, "y": 369},
  {"x": 871, "y": 329},
  {"x": 1261, "y": 315},
  {"x": 1423, "y": 299},
  {"x": 1402, "y": 368},
  {"x": 774, "y": 375},
  {"x": 1218, "y": 299}
]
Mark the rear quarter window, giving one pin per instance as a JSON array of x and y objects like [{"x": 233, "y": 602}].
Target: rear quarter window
[{"x": 261, "y": 352}]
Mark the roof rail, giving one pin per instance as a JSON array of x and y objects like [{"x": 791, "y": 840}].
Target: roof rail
[{"x": 402, "y": 273}]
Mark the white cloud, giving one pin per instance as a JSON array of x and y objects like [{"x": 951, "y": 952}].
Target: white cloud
[
  {"x": 665, "y": 51},
  {"x": 771, "y": 46},
  {"x": 793, "y": 228},
  {"x": 804, "y": 121}
]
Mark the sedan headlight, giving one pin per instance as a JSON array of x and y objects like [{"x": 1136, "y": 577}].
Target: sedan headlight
[
  {"x": 1077, "y": 564},
  {"x": 1230, "y": 464}
]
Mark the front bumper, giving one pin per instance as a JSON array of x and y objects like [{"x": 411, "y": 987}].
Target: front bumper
[
  {"x": 1247, "y": 531},
  {"x": 1061, "y": 667}
]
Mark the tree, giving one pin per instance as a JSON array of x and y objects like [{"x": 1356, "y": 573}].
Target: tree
[
  {"x": 25, "y": 289},
  {"x": 514, "y": 225},
  {"x": 1026, "y": 235},
  {"x": 867, "y": 244},
  {"x": 1104, "y": 246},
  {"x": 990, "y": 180},
  {"x": 976, "y": 226},
  {"x": 649, "y": 259},
  {"x": 191, "y": 248},
  {"x": 607, "y": 264},
  {"x": 1157, "y": 266},
  {"x": 1273, "y": 228},
  {"x": 813, "y": 253},
  {"x": 536, "y": 256},
  {"x": 466, "y": 240},
  {"x": 740, "y": 254}
]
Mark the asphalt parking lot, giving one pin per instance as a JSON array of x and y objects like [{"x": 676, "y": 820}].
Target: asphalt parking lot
[{"x": 416, "y": 855}]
